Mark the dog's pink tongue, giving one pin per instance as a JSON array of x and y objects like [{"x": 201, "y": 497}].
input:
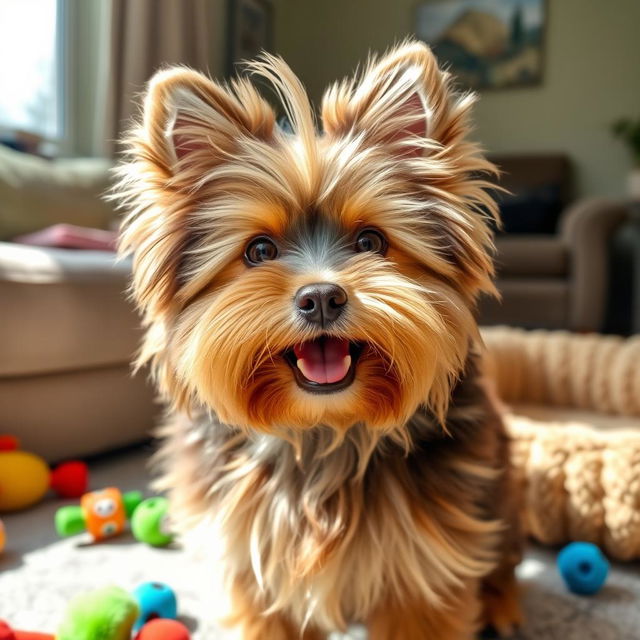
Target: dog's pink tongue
[{"x": 325, "y": 360}]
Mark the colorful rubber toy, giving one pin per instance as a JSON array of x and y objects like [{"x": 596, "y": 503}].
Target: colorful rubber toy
[
  {"x": 583, "y": 567},
  {"x": 3, "y": 541},
  {"x": 104, "y": 614},
  {"x": 163, "y": 630},
  {"x": 25, "y": 477},
  {"x": 7, "y": 633},
  {"x": 102, "y": 513},
  {"x": 155, "y": 600},
  {"x": 150, "y": 522}
]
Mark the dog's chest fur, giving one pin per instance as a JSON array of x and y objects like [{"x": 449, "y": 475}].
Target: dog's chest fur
[{"x": 329, "y": 532}]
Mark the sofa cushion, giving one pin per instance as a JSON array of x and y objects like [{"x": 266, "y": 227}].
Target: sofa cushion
[
  {"x": 532, "y": 210},
  {"x": 531, "y": 256},
  {"x": 36, "y": 193},
  {"x": 63, "y": 310}
]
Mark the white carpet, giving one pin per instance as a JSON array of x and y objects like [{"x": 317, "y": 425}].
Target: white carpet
[{"x": 40, "y": 573}]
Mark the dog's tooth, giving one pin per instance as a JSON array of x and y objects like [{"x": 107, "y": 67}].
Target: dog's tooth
[{"x": 347, "y": 363}]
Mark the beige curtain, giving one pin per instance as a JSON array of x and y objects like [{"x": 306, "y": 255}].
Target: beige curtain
[{"x": 144, "y": 35}]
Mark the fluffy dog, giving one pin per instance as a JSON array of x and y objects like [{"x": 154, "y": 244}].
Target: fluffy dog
[{"x": 309, "y": 302}]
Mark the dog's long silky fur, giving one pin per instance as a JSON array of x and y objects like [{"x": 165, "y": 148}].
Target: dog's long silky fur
[{"x": 388, "y": 502}]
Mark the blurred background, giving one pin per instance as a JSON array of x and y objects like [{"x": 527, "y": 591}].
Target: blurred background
[
  {"x": 558, "y": 83},
  {"x": 558, "y": 112},
  {"x": 71, "y": 67}
]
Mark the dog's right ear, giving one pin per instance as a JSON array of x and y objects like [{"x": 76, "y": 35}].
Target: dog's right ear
[
  {"x": 189, "y": 120},
  {"x": 190, "y": 126}
]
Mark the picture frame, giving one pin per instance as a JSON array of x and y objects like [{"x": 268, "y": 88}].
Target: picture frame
[{"x": 486, "y": 44}]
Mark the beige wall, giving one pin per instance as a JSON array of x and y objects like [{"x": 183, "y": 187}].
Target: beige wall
[{"x": 592, "y": 75}]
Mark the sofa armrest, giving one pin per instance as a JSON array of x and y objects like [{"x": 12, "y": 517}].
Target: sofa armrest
[
  {"x": 47, "y": 265},
  {"x": 586, "y": 228}
]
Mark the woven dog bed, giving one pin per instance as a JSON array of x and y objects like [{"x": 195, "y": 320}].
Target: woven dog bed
[{"x": 579, "y": 480}]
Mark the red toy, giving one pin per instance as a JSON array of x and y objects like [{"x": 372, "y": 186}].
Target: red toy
[
  {"x": 161, "y": 629},
  {"x": 7, "y": 633},
  {"x": 70, "y": 479}
]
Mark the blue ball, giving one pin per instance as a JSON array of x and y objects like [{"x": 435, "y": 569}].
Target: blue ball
[
  {"x": 156, "y": 600},
  {"x": 583, "y": 567}
]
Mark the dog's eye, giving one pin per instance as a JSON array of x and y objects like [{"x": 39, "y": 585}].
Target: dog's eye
[
  {"x": 260, "y": 250},
  {"x": 371, "y": 240}
]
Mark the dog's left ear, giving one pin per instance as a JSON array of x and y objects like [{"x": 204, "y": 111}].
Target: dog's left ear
[
  {"x": 400, "y": 102},
  {"x": 404, "y": 105}
]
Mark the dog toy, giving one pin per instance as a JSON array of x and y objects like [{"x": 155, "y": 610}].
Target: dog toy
[
  {"x": 150, "y": 522},
  {"x": 25, "y": 477},
  {"x": 161, "y": 629},
  {"x": 578, "y": 481},
  {"x": 155, "y": 600},
  {"x": 583, "y": 567},
  {"x": 102, "y": 513},
  {"x": 3, "y": 538},
  {"x": 105, "y": 614},
  {"x": 7, "y": 633}
]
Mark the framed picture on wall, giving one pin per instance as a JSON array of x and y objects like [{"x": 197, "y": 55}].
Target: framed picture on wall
[
  {"x": 250, "y": 28},
  {"x": 486, "y": 43}
]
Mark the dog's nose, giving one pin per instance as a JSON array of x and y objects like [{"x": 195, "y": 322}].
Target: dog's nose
[{"x": 321, "y": 303}]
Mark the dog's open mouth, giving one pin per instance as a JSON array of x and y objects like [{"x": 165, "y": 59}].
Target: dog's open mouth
[{"x": 324, "y": 365}]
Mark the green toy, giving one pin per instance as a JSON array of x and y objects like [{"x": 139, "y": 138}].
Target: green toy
[
  {"x": 104, "y": 614},
  {"x": 150, "y": 522}
]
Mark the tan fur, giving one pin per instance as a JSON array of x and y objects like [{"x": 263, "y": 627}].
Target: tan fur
[
  {"x": 455, "y": 619},
  {"x": 305, "y": 524},
  {"x": 250, "y": 618},
  {"x": 383, "y": 495}
]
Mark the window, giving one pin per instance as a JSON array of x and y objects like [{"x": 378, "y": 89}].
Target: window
[{"x": 29, "y": 69}]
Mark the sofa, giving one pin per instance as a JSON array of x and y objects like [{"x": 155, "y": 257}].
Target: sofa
[
  {"x": 67, "y": 331},
  {"x": 67, "y": 337},
  {"x": 552, "y": 254}
]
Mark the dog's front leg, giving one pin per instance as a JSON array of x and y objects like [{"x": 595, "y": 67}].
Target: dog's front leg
[
  {"x": 456, "y": 619},
  {"x": 251, "y": 623}
]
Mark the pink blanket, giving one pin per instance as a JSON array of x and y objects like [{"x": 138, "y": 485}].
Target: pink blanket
[{"x": 68, "y": 236}]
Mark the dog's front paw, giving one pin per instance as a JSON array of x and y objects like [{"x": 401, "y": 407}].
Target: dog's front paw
[{"x": 502, "y": 611}]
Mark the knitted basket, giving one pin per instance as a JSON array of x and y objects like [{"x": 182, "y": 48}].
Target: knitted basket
[{"x": 579, "y": 482}]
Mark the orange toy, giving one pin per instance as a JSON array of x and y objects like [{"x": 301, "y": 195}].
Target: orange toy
[{"x": 104, "y": 513}]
